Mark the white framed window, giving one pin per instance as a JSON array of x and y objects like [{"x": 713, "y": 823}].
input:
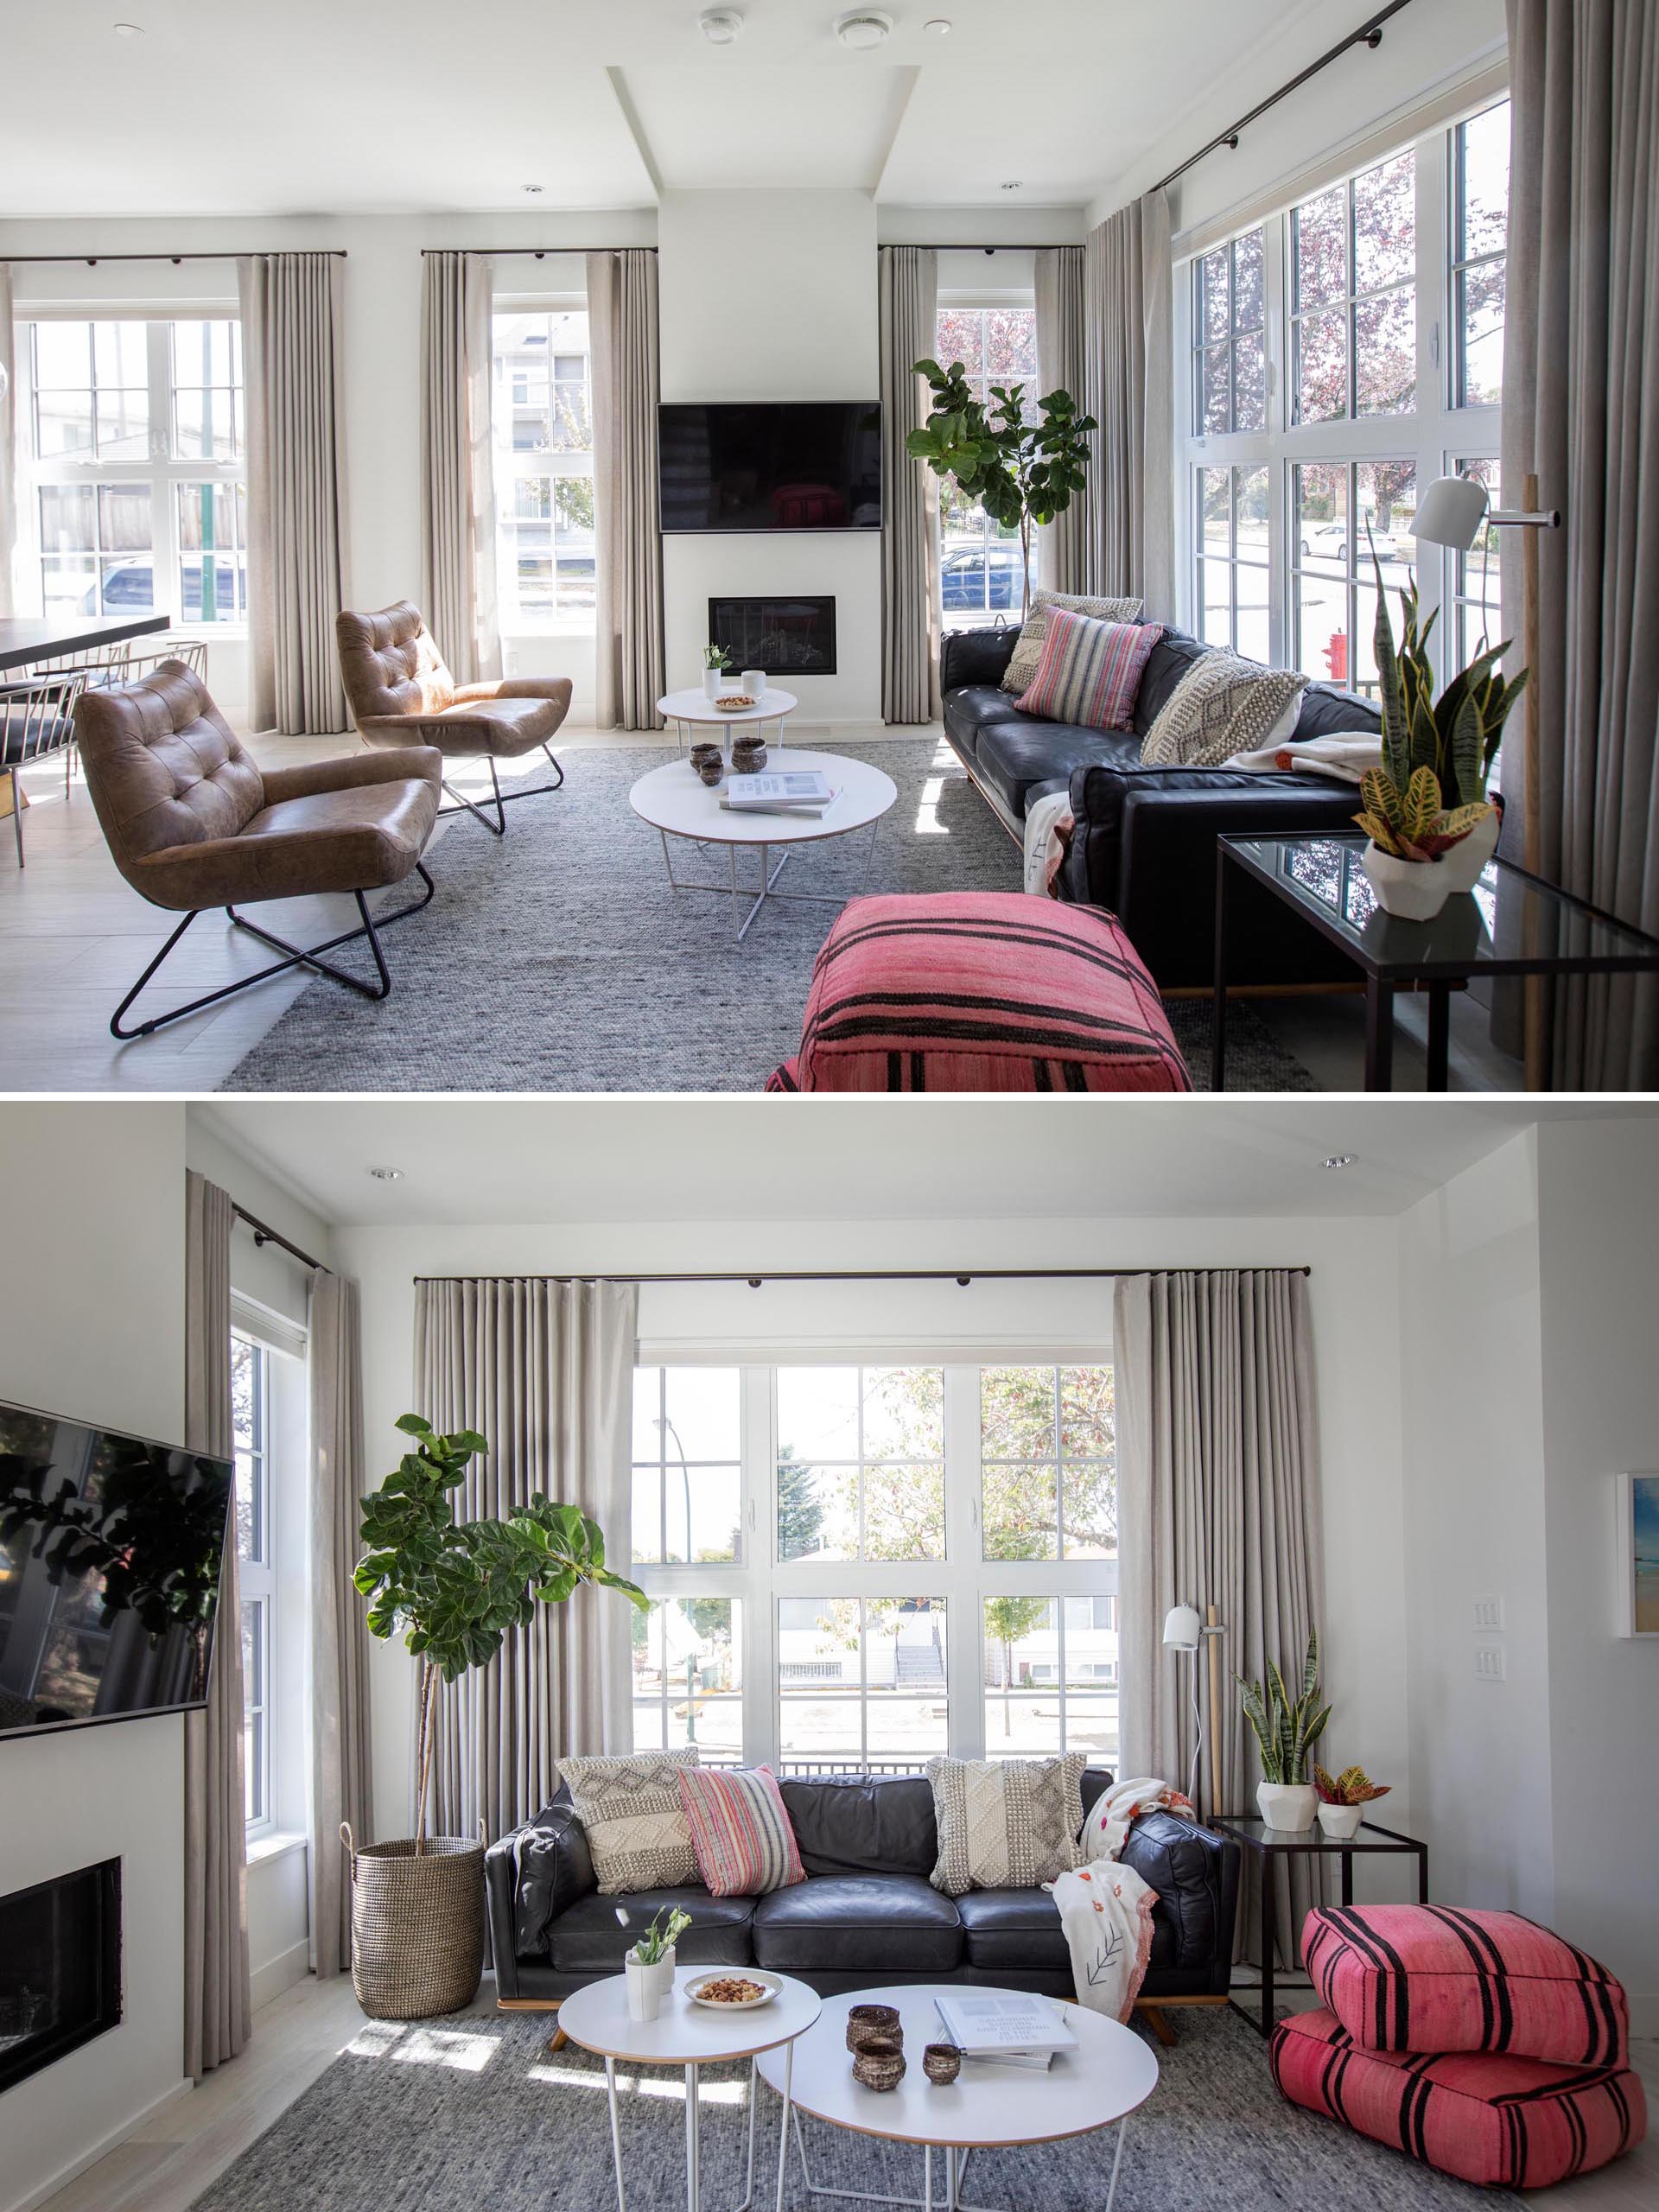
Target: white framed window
[
  {"x": 980, "y": 576},
  {"x": 270, "y": 1424},
  {"x": 541, "y": 434},
  {"x": 1381, "y": 312},
  {"x": 251, "y": 1413},
  {"x": 137, "y": 494},
  {"x": 907, "y": 1534}
]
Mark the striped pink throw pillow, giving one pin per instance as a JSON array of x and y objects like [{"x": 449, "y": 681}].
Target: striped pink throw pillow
[
  {"x": 740, "y": 1831},
  {"x": 1091, "y": 672}
]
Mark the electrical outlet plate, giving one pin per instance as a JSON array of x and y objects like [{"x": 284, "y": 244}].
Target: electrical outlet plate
[
  {"x": 1489, "y": 1662},
  {"x": 1488, "y": 1616}
]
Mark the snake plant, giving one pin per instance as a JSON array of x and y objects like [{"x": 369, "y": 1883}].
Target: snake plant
[{"x": 1286, "y": 1730}]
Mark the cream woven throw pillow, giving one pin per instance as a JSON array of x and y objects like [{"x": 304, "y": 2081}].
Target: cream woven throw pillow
[
  {"x": 636, "y": 1826},
  {"x": 1017, "y": 677},
  {"x": 1224, "y": 705},
  {"x": 1006, "y": 1824}
]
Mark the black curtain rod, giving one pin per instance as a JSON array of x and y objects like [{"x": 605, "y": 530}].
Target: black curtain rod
[
  {"x": 1368, "y": 34},
  {"x": 969, "y": 245},
  {"x": 229, "y": 253},
  {"x": 536, "y": 252},
  {"x": 857, "y": 1275},
  {"x": 264, "y": 1234}
]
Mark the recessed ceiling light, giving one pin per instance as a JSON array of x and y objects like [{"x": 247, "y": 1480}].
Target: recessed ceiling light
[
  {"x": 129, "y": 30},
  {"x": 387, "y": 1174},
  {"x": 720, "y": 26},
  {"x": 1340, "y": 1159},
  {"x": 938, "y": 25},
  {"x": 864, "y": 28}
]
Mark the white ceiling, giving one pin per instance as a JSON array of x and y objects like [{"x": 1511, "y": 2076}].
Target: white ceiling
[
  {"x": 471, "y": 1162},
  {"x": 352, "y": 107}
]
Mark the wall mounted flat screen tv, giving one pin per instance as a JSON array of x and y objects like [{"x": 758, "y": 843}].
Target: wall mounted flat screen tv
[
  {"x": 110, "y": 1554},
  {"x": 773, "y": 465}
]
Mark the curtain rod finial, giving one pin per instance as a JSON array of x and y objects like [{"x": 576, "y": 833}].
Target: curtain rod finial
[
  {"x": 962, "y": 1282},
  {"x": 1374, "y": 36},
  {"x": 755, "y": 1282}
]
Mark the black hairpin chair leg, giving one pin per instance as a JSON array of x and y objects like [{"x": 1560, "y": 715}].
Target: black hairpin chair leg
[
  {"x": 294, "y": 956},
  {"x": 497, "y": 827}
]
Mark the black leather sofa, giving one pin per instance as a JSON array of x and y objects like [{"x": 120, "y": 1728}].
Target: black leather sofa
[
  {"x": 867, "y": 1914},
  {"x": 1144, "y": 846}
]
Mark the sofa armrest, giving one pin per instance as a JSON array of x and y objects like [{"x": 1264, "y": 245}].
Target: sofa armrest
[
  {"x": 975, "y": 656},
  {"x": 531, "y": 1877},
  {"x": 557, "y": 688},
  {"x": 410, "y": 764},
  {"x": 1195, "y": 1872}
]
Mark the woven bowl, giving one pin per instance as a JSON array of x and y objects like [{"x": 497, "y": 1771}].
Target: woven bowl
[
  {"x": 878, "y": 2063},
  {"x": 706, "y": 762},
  {"x": 941, "y": 2063},
  {"x": 881, "y": 2021},
  {"x": 748, "y": 756}
]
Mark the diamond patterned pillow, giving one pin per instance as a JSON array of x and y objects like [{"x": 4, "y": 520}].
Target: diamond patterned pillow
[
  {"x": 636, "y": 1826},
  {"x": 1006, "y": 1824},
  {"x": 1224, "y": 705},
  {"x": 1017, "y": 677}
]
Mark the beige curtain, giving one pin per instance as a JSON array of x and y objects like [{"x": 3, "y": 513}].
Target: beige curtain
[
  {"x": 1217, "y": 1504},
  {"x": 292, "y": 318},
  {"x": 1128, "y": 387},
  {"x": 908, "y": 299},
  {"x": 623, "y": 341},
  {"x": 8, "y": 443},
  {"x": 545, "y": 1372},
  {"x": 457, "y": 465},
  {"x": 341, "y": 1782},
  {"x": 1582, "y": 408},
  {"x": 1062, "y": 365},
  {"x": 218, "y": 2001}
]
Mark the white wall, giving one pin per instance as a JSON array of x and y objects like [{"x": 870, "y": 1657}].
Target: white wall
[
  {"x": 91, "y": 1326},
  {"x": 1355, "y": 1310},
  {"x": 811, "y": 258}
]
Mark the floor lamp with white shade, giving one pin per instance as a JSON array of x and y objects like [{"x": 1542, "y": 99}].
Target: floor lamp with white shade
[{"x": 1183, "y": 1631}]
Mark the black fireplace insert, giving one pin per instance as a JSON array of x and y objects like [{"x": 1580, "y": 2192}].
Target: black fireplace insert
[
  {"x": 784, "y": 637},
  {"x": 59, "y": 1967}
]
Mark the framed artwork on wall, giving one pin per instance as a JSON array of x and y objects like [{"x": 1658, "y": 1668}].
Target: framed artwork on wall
[{"x": 1638, "y": 1555}]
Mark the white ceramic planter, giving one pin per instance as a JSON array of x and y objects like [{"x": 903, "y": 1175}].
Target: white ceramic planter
[
  {"x": 1341, "y": 1822},
  {"x": 1461, "y": 863},
  {"x": 1289, "y": 1806},
  {"x": 1414, "y": 891},
  {"x": 713, "y": 678},
  {"x": 648, "y": 1985}
]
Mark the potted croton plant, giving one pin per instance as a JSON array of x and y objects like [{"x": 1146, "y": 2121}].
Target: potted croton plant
[
  {"x": 1286, "y": 1730},
  {"x": 1431, "y": 825},
  {"x": 1343, "y": 1801}
]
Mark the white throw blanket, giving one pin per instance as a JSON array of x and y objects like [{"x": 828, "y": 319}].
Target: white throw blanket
[
  {"x": 1044, "y": 843},
  {"x": 1106, "y": 1908},
  {"x": 1345, "y": 754}
]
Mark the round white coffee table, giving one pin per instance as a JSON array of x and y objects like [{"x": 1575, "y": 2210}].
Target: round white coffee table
[
  {"x": 690, "y": 2036},
  {"x": 677, "y": 803},
  {"x": 988, "y": 2106},
  {"x": 690, "y": 712}
]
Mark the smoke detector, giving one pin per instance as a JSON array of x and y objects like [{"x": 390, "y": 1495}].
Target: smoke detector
[
  {"x": 720, "y": 26},
  {"x": 864, "y": 28}
]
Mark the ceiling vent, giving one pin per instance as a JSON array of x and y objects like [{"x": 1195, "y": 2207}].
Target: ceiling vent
[
  {"x": 864, "y": 28},
  {"x": 720, "y": 26}
]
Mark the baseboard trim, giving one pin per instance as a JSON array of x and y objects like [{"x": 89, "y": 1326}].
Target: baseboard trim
[
  {"x": 101, "y": 2149},
  {"x": 269, "y": 1980}
]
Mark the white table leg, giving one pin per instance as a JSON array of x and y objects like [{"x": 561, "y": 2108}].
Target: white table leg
[
  {"x": 616, "y": 2136},
  {"x": 782, "y": 2122},
  {"x": 1112, "y": 2190},
  {"x": 692, "y": 2188},
  {"x": 927, "y": 2176},
  {"x": 754, "y": 2100}
]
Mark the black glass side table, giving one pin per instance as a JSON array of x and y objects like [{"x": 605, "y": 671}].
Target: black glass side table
[
  {"x": 1271, "y": 1843},
  {"x": 1511, "y": 924}
]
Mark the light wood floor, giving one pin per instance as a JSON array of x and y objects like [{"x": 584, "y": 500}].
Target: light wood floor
[{"x": 168, "y": 2162}]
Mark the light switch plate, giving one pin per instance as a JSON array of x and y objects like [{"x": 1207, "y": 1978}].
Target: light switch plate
[
  {"x": 1489, "y": 1662},
  {"x": 1488, "y": 1616}
]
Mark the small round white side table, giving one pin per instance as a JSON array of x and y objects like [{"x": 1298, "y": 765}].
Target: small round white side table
[
  {"x": 690, "y": 2036},
  {"x": 690, "y": 714},
  {"x": 1110, "y": 2074}
]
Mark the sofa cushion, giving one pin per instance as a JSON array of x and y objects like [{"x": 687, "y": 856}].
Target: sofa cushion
[
  {"x": 1222, "y": 706},
  {"x": 631, "y": 1812},
  {"x": 1499, "y": 2122},
  {"x": 739, "y": 1830},
  {"x": 1090, "y": 671},
  {"x": 1426, "y": 1977},
  {"x": 589, "y": 1939},
  {"x": 1015, "y": 1931},
  {"x": 968, "y": 711},
  {"x": 878, "y": 1923},
  {"x": 1015, "y": 752},
  {"x": 1171, "y": 657},
  {"x": 1005, "y": 1822},
  {"x": 863, "y": 1823},
  {"x": 1033, "y": 632}
]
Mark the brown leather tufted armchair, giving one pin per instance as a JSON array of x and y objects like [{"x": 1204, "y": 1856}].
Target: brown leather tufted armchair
[
  {"x": 192, "y": 823},
  {"x": 402, "y": 693}
]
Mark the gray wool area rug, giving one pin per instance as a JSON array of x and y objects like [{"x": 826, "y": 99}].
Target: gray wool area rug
[
  {"x": 559, "y": 959},
  {"x": 468, "y": 2112}
]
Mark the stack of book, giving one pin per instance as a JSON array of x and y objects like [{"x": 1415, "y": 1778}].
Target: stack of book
[
  {"x": 805, "y": 791},
  {"x": 1005, "y": 2028}
]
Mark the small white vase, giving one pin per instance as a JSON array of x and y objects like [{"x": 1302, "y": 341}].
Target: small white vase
[
  {"x": 1340, "y": 1822},
  {"x": 713, "y": 680},
  {"x": 1289, "y": 1806},
  {"x": 1414, "y": 891},
  {"x": 1461, "y": 863},
  {"x": 648, "y": 1985},
  {"x": 754, "y": 682}
]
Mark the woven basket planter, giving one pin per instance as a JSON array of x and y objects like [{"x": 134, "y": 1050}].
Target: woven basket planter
[{"x": 417, "y": 1925}]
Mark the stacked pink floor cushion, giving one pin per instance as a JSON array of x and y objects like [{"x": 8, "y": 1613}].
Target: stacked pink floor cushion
[
  {"x": 981, "y": 990},
  {"x": 1477, "y": 2042}
]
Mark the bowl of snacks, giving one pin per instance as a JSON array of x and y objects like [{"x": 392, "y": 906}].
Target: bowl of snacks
[
  {"x": 735, "y": 1993},
  {"x": 736, "y": 703}
]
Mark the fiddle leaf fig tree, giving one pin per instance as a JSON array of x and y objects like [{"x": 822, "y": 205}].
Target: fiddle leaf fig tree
[
  {"x": 455, "y": 1587},
  {"x": 1020, "y": 470}
]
